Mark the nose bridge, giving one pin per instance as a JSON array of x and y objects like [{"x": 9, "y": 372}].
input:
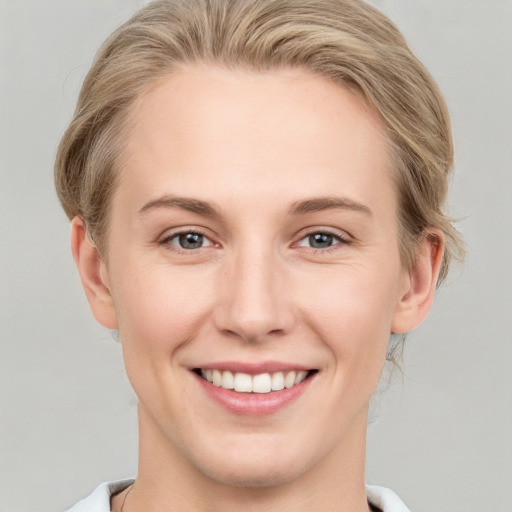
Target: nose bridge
[{"x": 254, "y": 302}]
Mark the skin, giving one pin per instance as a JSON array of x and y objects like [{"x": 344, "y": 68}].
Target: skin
[{"x": 254, "y": 146}]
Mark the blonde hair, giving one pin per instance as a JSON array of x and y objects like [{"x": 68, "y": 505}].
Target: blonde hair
[{"x": 347, "y": 41}]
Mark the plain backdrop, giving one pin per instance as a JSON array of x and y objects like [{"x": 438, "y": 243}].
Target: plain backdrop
[{"x": 441, "y": 435}]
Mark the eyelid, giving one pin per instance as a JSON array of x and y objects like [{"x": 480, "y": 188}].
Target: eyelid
[
  {"x": 165, "y": 239},
  {"x": 342, "y": 236}
]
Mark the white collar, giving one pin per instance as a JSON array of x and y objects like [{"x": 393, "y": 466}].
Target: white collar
[{"x": 99, "y": 501}]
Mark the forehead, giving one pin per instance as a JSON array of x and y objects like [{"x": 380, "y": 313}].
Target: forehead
[{"x": 285, "y": 131}]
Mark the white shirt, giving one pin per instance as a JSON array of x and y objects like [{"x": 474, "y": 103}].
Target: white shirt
[{"x": 99, "y": 501}]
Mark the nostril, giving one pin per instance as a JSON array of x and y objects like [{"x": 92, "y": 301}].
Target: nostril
[{"x": 253, "y": 334}]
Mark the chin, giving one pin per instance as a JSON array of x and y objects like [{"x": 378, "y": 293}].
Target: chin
[
  {"x": 253, "y": 467},
  {"x": 254, "y": 476}
]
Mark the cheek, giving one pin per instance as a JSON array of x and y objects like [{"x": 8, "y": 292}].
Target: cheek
[
  {"x": 352, "y": 313},
  {"x": 159, "y": 313},
  {"x": 159, "y": 308}
]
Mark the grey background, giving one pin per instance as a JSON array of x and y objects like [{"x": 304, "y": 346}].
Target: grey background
[{"x": 442, "y": 433}]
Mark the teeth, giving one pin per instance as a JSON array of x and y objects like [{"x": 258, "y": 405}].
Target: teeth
[
  {"x": 217, "y": 378},
  {"x": 300, "y": 377},
  {"x": 289, "y": 380},
  {"x": 228, "y": 380},
  {"x": 261, "y": 383},
  {"x": 243, "y": 383},
  {"x": 277, "y": 381}
]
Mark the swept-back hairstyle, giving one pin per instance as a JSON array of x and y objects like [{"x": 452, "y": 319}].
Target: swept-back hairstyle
[{"x": 347, "y": 41}]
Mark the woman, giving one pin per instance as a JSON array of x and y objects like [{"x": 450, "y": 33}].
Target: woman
[{"x": 256, "y": 190}]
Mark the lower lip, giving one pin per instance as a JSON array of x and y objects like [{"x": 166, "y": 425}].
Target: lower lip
[{"x": 254, "y": 404}]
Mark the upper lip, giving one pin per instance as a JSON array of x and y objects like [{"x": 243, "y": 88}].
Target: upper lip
[{"x": 254, "y": 368}]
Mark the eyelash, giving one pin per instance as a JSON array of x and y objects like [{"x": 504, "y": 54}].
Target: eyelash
[
  {"x": 337, "y": 242},
  {"x": 338, "y": 239},
  {"x": 168, "y": 240}
]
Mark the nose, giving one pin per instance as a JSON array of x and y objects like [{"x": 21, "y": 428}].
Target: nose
[{"x": 253, "y": 302}]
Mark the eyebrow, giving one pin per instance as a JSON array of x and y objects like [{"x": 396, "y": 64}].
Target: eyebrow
[
  {"x": 203, "y": 208},
  {"x": 319, "y": 204},
  {"x": 207, "y": 209}
]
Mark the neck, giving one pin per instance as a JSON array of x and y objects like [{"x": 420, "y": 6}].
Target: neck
[{"x": 168, "y": 481}]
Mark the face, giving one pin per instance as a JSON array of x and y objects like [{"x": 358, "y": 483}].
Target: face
[{"x": 253, "y": 244}]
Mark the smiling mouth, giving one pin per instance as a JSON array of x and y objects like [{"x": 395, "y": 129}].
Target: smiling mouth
[{"x": 260, "y": 383}]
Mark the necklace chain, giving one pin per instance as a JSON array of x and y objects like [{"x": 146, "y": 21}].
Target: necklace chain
[{"x": 126, "y": 496}]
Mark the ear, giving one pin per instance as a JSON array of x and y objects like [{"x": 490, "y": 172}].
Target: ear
[
  {"x": 93, "y": 274},
  {"x": 418, "y": 290}
]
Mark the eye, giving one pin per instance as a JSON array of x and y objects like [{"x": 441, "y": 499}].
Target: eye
[
  {"x": 188, "y": 240},
  {"x": 321, "y": 240}
]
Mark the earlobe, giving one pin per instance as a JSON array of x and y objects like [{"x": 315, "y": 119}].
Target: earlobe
[
  {"x": 93, "y": 275},
  {"x": 417, "y": 295}
]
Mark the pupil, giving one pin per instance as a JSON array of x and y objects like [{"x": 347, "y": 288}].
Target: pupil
[
  {"x": 320, "y": 240},
  {"x": 191, "y": 241}
]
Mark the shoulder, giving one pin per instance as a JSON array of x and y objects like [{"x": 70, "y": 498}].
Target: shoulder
[
  {"x": 99, "y": 500},
  {"x": 384, "y": 499}
]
